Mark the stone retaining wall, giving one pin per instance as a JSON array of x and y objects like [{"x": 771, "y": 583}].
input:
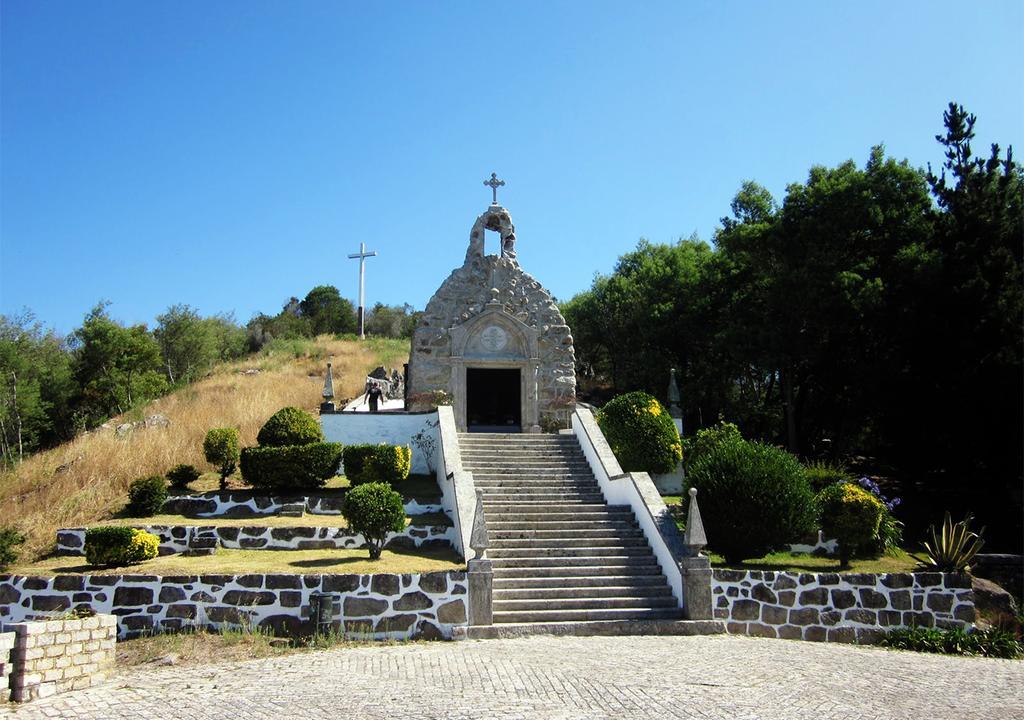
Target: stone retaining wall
[
  {"x": 179, "y": 538},
  {"x": 244, "y": 504},
  {"x": 838, "y": 608},
  {"x": 6, "y": 645},
  {"x": 57, "y": 655},
  {"x": 425, "y": 605}
]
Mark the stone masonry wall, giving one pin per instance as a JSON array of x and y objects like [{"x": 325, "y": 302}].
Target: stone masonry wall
[
  {"x": 6, "y": 645},
  {"x": 179, "y": 538},
  {"x": 58, "y": 655},
  {"x": 424, "y": 605},
  {"x": 838, "y": 608}
]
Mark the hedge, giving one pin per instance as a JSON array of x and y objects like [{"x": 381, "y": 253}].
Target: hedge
[
  {"x": 377, "y": 463},
  {"x": 146, "y": 496},
  {"x": 373, "y": 510},
  {"x": 119, "y": 546},
  {"x": 290, "y": 426},
  {"x": 290, "y": 467},
  {"x": 851, "y": 515}
]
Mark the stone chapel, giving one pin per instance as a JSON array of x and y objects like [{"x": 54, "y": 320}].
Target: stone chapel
[{"x": 493, "y": 339}]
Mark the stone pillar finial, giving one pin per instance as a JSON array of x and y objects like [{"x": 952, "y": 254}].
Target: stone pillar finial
[
  {"x": 478, "y": 537},
  {"x": 673, "y": 396},
  {"x": 328, "y": 392},
  {"x": 694, "y": 537}
]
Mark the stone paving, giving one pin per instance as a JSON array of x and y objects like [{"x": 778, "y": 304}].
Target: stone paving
[{"x": 561, "y": 678}]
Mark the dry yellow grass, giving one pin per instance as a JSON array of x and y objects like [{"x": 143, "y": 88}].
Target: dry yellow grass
[{"x": 38, "y": 497}]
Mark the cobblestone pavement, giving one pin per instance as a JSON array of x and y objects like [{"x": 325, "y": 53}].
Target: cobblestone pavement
[{"x": 560, "y": 678}]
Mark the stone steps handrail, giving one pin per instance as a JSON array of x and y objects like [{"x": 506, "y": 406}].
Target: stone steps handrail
[{"x": 458, "y": 491}]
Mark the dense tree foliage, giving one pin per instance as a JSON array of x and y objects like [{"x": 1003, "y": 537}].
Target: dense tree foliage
[{"x": 877, "y": 310}]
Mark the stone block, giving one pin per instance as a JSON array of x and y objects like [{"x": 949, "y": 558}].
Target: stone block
[
  {"x": 130, "y": 596},
  {"x": 940, "y": 601},
  {"x": 831, "y": 617},
  {"x": 248, "y": 598},
  {"x": 842, "y": 599},
  {"x": 171, "y": 594},
  {"x": 817, "y": 596},
  {"x": 761, "y": 630},
  {"x": 804, "y": 616},
  {"x": 869, "y": 636},
  {"x": 784, "y": 581},
  {"x": 395, "y": 623},
  {"x": 889, "y": 618},
  {"x": 828, "y": 578},
  {"x": 790, "y": 632},
  {"x": 763, "y": 593},
  {"x": 918, "y": 619},
  {"x": 736, "y": 628},
  {"x": 928, "y": 579},
  {"x": 746, "y": 610},
  {"x": 355, "y": 607},
  {"x": 787, "y": 598},
  {"x": 413, "y": 601},
  {"x": 964, "y": 612},
  {"x": 872, "y": 599},
  {"x": 773, "y": 615},
  {"x": 815, "y": 633},
  {"x": 900, "y": 599},
  {"x": 340, "y": 583},
  {"x": 842, "y": 635},
  {"x": 385, "y": 584},
  {"x": 862, "y": 615},
  {"x": 898, "y": 580},
  {"x": 453, "y": 612}
]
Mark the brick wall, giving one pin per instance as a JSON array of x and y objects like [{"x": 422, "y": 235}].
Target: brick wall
[
  {"x": 856, "y": 607},
  {"x": 57, "y": 655}
]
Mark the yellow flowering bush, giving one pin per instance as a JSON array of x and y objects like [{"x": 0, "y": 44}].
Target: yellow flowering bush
[
  {"x": 851, "y": 515},
  {"x": 641, "y": 433}
]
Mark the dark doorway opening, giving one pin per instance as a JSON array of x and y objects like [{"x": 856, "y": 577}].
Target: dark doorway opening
[{"x": 493, "y": 400}]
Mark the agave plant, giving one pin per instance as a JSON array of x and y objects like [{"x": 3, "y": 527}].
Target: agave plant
[{"x": 952, "y": 549}]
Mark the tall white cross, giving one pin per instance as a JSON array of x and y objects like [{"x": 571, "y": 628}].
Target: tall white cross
[{"x": 362, "y": 255}]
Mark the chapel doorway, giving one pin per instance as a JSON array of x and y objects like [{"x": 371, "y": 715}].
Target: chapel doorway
[{"x": 493, "y": 400}]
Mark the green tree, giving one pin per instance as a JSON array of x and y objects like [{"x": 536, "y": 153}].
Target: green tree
[
  {"x": 116, "y": 367},
  {"x": 186, "y": 343},
  {"x": 327, "y": 311},
  {"x": 221, "y": 448}
]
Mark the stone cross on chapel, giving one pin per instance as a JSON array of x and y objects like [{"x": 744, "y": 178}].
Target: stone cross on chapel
[{"x": 494, "y": 183}]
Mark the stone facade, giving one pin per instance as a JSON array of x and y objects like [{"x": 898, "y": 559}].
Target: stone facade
[
  {"x": 839, "y": 608},
  {"x": 58, "y": 655},
  {"x": 182, "y": 538},
  {"x": 490, "y": 314},
  {"x": 427, "y": 605},
  {"x": 6, "y": 645}
]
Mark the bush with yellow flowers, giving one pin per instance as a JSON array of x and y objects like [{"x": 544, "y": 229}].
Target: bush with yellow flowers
[{"x": 641, "y": 433}]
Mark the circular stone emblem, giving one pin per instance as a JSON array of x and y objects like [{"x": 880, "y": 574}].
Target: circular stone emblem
[{"x": 493, "y": 339}]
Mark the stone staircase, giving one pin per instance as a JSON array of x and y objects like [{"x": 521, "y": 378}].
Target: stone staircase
[{"x": 560, "y": 553}]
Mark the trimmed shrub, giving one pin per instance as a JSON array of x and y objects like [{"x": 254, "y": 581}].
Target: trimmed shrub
[
  {"x": 820, "y": 474},
  {"x": 10, "y": 538},
  {"x": 993, "y": 642},
  {"x": 290, "y": 467},
  {"x": 709, "y": 438},
  {"x": 754, "y": 498},
  {"x": 119, "y": 546},
  {"x": 851, "y": 515},
  {"x": 146, "y": 496},
  {"x": 181, "y": 475},
  {"x": 290, "y": 426},
  {"x": 373, "y": 510},
  {"x": 641, "y": 433},
  {"x": 221, "y": 448},
  {"x": 377, "y": 463}
]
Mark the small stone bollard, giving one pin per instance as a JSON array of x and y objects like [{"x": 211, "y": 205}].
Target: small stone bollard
[{"x": 481, "y": 580}]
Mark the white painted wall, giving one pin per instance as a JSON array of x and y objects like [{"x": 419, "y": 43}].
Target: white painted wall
[{"x": 352, "y": 428}]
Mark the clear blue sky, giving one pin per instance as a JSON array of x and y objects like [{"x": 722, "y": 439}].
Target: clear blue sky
[{"x": 230, "y": 154}]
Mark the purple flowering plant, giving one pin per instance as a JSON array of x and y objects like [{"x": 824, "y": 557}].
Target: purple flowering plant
[{"x": 872, "y": 487}]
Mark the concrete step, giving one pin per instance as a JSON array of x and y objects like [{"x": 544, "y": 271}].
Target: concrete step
[
  {"x": 562, "y": 535},
  {"x": 531, "y": 616},
  {"x": 531, "y": 502},
  {"x": 526, "y": 482},
  {"x": 609, "y": 591},
  {"x": 600, "y": 603},
  {"x": 621, "y": 559},
  {"x": 538, "y": 478},
  {"x": 488, "y": 452},
  {"x": 520, "y": 525},
  {"x": 565, "y": 543},
  {"x": 569, "y": 554},
  {"x": 594, "y": 628},
  {"x": 578, "y": 569},
  {"x": 580, "y": 581},
  {"x": 560, "y": 515}
]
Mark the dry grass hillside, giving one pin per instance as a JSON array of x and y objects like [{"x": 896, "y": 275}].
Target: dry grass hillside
[{"x": 86, "y": 480}]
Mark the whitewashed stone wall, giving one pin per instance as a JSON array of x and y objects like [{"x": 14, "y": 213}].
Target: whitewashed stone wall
[
  {"x": 210, "y": 505},
  {"x": 427, "y": 605},
  {"x": 838, "y": 608},
  {"x": 179, "y": 538},
  {"x": 6, "y": 645},
  {"x": 58, "y": 655}
]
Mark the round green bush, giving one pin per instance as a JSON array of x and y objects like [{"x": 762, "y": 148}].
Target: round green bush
[
  {"x": 709, "y": 438},
  {"x": 221, "y": 447},
  {"x": 851, "y": 515},
  {"x": 753, "y": 498},
  {"x": 181, "y": 475},
  {"x": 376, "y": 463},
  {"x": 119, "y": 546},
  {"x": 293, "y": 467},
  {"x": 373, "y": 510},
  {"x": 146, "y": 496},
  {"x": 290, "y": 426},
  {"x": 641, "y": 433}
]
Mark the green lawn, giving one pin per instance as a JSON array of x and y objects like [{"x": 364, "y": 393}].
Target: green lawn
[{"x": 235, "y": 562}]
